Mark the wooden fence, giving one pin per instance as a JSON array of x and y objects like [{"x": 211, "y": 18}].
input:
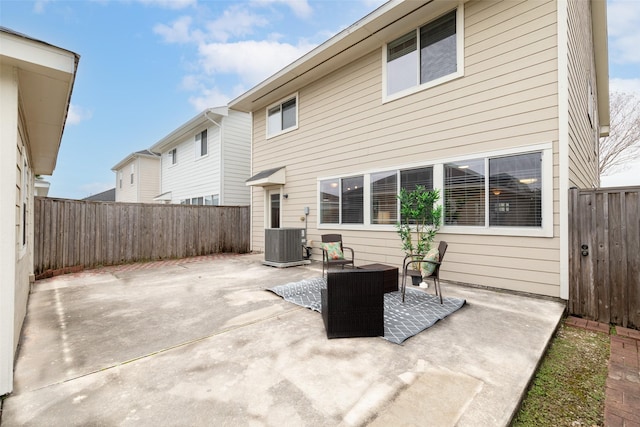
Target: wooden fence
[
  {"x": 71, "y": 233},
  {"x": 604, "y": 255}
]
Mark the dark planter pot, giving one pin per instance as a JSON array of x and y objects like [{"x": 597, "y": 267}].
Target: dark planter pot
[{"x": 416, "y": 280}]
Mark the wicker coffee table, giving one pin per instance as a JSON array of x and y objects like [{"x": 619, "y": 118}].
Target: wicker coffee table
[{"x": 390, "y": 275}]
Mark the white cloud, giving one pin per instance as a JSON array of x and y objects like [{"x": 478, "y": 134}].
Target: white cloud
[
  {"x": 177, "y": 32},
  {"x": 251, "y": 60},
  {"x": 300, "y": 8},
  {"x": 623, "y": 18},
  {"x": 209, "y": 98},
  {"x": 234, "y": 22},
  {"x": 78, "y": 114},
  {"x": 625, "y": 85},
  {"x": 170, "y": 4},
  {"x": 38, "y": 6}
]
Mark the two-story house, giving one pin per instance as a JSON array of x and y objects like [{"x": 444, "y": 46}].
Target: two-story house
[
  {"x": 205, "y": 161},
  {"x": 498, "y": 104},
  {"x": 138, "y": 177},
  {"x": 36, "y": 81}
]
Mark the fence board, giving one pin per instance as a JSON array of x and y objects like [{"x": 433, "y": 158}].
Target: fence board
[
  {"x": 89, "y": 234},
  {"x": 604, "y": 285}
]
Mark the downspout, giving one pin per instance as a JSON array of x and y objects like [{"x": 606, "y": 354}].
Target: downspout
[
  {"x": 221, "y": 163},
  {"x": 563, "y": 142}
]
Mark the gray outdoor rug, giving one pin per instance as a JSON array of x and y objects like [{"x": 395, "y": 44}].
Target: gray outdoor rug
[{"x": 419, "y": 311}]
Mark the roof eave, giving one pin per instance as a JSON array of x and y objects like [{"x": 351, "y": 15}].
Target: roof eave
[
  {"x": 601, "y": 55},
  {"x": 188, "y": 127},
  {"x": 339, "y": 50}
]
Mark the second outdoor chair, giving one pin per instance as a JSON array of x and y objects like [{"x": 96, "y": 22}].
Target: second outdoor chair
[{"x": 333, "y": 252}]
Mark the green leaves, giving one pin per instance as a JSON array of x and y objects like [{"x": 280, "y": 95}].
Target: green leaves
[{"x": 420, "y": 219}]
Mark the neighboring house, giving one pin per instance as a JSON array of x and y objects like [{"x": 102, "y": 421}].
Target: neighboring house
[
  {"x": 206, "y": 160},
  {"x": 138, "y": 177},
  {"x": 498, "y": 104},
  {"x": 41, "y": 187},
  {"x": 105, "y": 196},
  {"x": 36, "y": 81}
]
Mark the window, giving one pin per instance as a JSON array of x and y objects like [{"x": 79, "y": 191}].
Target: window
[
  {"x": 513, "y": 191},
  {"x": 120, "y": 179},
  {"x": 174, "y": 156},
  {"x": 464, "y": 191},
  {"x": 503, "y": 192},
  {"x": 384, "y": 201},
  {"x": 211, "y": 200},
  {"x": 424, "y": 56},
  {"x": 342, "y": 201},
  {"x": 282, "y": 117},
  {"x": 133, "y": 168},
  {"x": 353, "y": 200},
  {"x": 201, "y": 143},
  {"x": 197, "y": 201},
  {"x": 330, "y": 201}
]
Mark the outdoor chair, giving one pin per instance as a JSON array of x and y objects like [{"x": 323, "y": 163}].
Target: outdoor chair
[
  {"x": 334, "y": 255},
  {"x": 353, "y": 303},
  {"x": 409, "y": 259}
]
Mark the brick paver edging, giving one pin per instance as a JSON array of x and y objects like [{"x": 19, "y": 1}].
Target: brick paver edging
[{"x": 622, "y": 398}]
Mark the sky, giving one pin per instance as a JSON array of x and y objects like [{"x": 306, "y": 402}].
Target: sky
[{"x": 148, "y": 66}]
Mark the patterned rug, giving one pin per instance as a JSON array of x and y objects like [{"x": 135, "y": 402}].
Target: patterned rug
[{"x": 401, "y": 320}]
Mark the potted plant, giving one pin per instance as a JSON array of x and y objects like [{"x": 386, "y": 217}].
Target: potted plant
[{"x": 420, "y": 220}]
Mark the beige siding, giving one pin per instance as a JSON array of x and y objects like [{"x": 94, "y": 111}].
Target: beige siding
[
  {"x": 148, "y": 179},
  {"x": 127, "y": 192},
  {"x": 236, "y": 158},
  {"x": 583, "y": 135},
  {"x": 506, "y": 99}
]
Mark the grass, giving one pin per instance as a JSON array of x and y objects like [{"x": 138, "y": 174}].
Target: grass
[{"x": 569, "y": 386}]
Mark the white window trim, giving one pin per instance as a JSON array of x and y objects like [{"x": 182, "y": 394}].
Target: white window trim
[
  {"x": 280, "y": 102},
  {"x": 444, "y": 79},
  {"x": 198, "y": 145},
  {"x": 546, "y": 230},
  {"x": 170, "y": 157}
]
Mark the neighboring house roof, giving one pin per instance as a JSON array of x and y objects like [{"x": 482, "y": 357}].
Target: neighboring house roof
[
  {"x": 46, "y": 75},
  {"x": 390, "y": 21},
  {"x": 209, "y": 115},
  {"x": 130, "y": 157},
  {"x": 105, "y": 196}
]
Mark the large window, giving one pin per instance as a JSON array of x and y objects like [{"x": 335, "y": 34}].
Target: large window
[
  {"x": 504, "y": 192},
  {"x": 282, "y": 117},
  {"x": 513, "y": 191},
  {"x": 424, "y": 55}
]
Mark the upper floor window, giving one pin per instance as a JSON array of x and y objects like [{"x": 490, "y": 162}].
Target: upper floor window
[
  {"x": 174, "y": 156},
  {"x": 282, "y": 117},
  {"x": 201, "y": 144},
  {"x": 120, "y": 179},
  {"x": 133, "y": 168},
  {"x": 426, "y": 56}
]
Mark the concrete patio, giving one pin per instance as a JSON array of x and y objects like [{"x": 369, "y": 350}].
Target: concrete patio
[{"x": 202, "y": 343}]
